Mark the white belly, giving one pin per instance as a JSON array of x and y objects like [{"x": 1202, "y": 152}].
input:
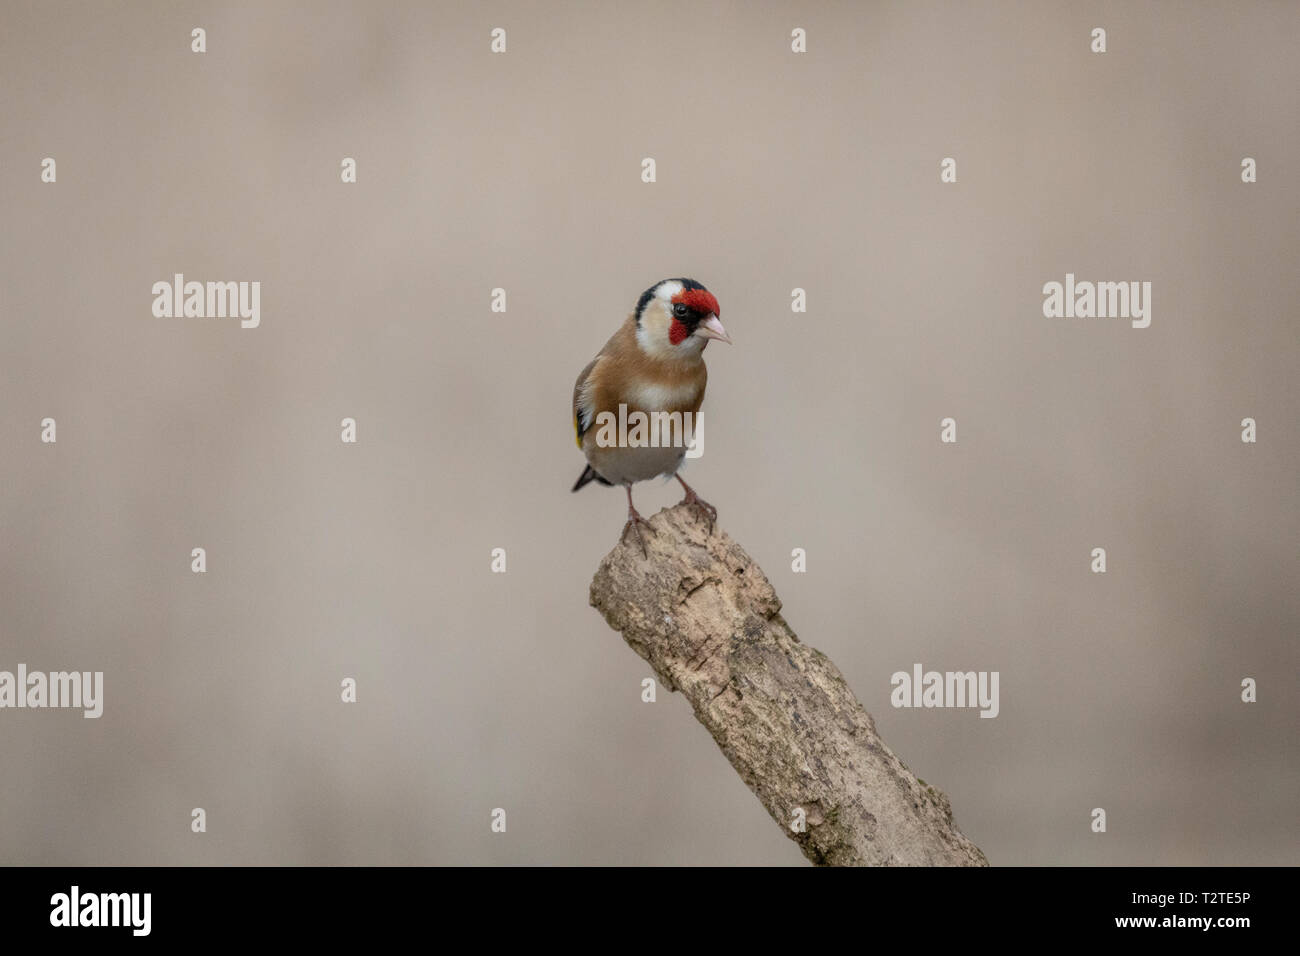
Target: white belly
[{"x": 623, "y": 466}]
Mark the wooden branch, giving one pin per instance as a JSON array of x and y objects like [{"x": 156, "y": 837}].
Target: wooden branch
[{"x": 705, "y": 617}]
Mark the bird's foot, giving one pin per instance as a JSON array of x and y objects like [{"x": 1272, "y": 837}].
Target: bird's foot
[
  {"x": 633, "y": 522},
  {"x": 706, "y": 509}
]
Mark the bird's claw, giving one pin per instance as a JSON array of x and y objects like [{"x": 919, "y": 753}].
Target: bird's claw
[
  {"x": 706, "y": 509},
  {"x": 633, "y": 520}
]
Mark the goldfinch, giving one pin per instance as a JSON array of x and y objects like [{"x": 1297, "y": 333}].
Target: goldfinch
[{"x": 654, "y": 363}]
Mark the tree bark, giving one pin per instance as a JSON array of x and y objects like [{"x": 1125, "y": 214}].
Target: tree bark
[{"x": 705, "y": 617}]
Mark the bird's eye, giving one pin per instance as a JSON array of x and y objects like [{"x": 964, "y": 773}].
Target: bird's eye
[{"x": 680, "y": 310}]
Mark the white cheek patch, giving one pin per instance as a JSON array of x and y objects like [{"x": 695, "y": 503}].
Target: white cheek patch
[
  {"x": 643, "y": 338},
  {"x": 652, "y": 333}
]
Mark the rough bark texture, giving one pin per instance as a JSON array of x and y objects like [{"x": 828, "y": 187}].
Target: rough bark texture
[{"x": 705, "y": 617}]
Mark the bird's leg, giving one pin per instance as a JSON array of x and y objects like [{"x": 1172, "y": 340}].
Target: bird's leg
[
  {"x": 633, "y": 520},
  {"x": 695, "y": 501}
]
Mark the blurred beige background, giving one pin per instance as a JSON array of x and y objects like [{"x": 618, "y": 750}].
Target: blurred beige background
[{"x": 522, "y": 171}]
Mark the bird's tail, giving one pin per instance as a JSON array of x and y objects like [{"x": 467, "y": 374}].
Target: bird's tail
[{"x": 589, "y": 475}]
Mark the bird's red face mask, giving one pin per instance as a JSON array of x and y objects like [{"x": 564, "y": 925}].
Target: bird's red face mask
[{"x": 695, "y": 312}]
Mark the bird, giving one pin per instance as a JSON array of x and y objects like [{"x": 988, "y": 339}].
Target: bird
[{"x": 653, "y": 363}]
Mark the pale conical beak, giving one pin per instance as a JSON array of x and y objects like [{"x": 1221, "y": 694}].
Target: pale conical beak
[{"x": 711, "y": 328}]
